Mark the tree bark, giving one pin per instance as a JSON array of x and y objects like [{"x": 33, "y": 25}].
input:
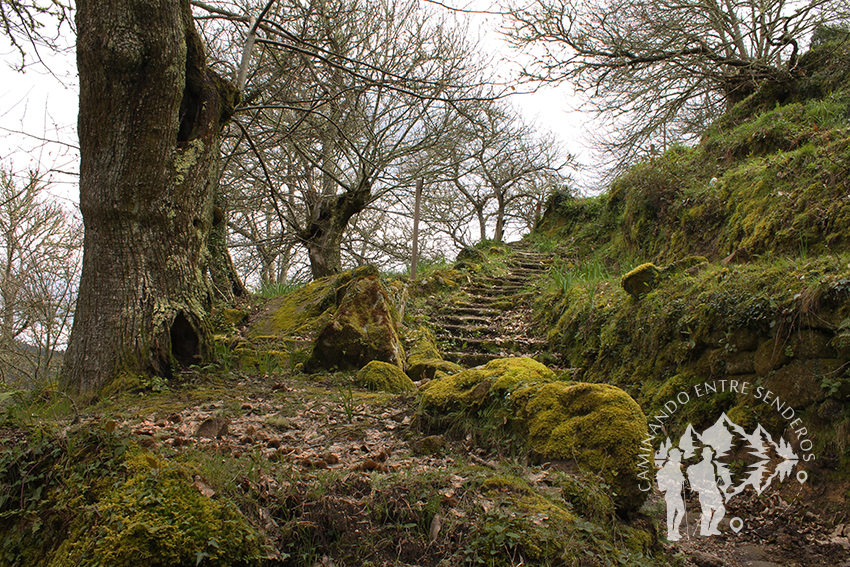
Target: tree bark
[
  {"x": 499, "y": 234},
  {"x": 227, "y": 285},
  {"x": 149, "y": 126}
]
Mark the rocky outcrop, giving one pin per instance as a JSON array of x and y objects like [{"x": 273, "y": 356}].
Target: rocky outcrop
[{"x": 362, "y": 329}]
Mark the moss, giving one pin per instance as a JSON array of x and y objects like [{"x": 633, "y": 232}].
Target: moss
[
  {"x": 471, "y": 388},
  {"x": 384, "y": 377},
  {"x": 471, "y": 253},
  {"x": 468, "y": 266},
  {"x": 641, "y": 280},
  {"x": 430, "y": 368},
  {"x": 233, "y": 317},
  {"x": 506, "y": 484},
  {"x": 588, "y": 495},
  {"x": 300, "y": 312},
  {"x": 156, "y": 517},
  {"x": 598, "y": 426},
  {"x": 437, "y": 281},
  {"x": 125, "y": 382},
  {"x": 424, "y": 360},
  {"x": 685, "y": 264},
  {"x": 421, "y": 346}
]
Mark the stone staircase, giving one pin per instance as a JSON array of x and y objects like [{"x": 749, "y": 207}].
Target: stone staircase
[{"x": 492, "y": 317}]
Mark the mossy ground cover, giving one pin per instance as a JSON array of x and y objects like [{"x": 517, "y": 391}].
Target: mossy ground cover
[{"x": 306, "y": 469}]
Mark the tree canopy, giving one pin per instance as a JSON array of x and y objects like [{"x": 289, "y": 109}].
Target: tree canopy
[{"x": 661, "y": 70}]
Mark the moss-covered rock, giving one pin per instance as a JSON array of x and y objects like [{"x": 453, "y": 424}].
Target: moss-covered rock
[
  {"x": 471, "y": 388},
  {"x": 300, "y": 312},
  {"x": 430, "y": 368},
  {"x": 384, "y": 377},
  {"x": 304, "y": 311},
  {"x": 362, "y": 329},
  {"x": 440, "y": 280},
  {"x": 471, "y": 254},
  {"x": 800, "y": 382},
  {"x": 598, "y": 426},
  {"x": 424, "y": 360},
  {"x": 641, "y": 280}
]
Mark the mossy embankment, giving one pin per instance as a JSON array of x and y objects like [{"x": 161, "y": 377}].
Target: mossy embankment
[{"x": 722, "y": 265}]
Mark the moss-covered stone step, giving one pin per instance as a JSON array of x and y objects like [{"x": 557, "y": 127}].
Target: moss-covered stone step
[
  {"x": 533, "y": 266},
  {"x": 449, "y": 319},
  {"x": 498, "y": 302},
  {"x": 475, "y": 310},
  {"x": 516, "y": 280},
  {"x": 471, "y": 359},
  {"x": 470, "y": 330},
  {"x": 494, "y": 295},
  {"x": 509, "y": 343}
]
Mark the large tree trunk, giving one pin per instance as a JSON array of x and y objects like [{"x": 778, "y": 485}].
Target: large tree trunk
[
  {"x": 149, "y": 126},
  {"x": 323, "y": 236}
]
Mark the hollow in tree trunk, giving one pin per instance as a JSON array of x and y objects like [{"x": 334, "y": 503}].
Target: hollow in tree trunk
[{"x": 149, "y": 126}]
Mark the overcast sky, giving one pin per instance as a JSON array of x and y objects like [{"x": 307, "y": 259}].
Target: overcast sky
[{"x": 38, "y": 109}]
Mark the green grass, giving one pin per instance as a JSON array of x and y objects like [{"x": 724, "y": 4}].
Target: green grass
[{"x": 276, "y": 289}]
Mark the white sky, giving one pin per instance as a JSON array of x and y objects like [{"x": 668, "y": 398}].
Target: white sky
[{"x": 38, "y": 110}]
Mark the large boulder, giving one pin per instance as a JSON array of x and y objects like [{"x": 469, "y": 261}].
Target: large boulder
[
  {"x": 362, "y": 329},
  {"x": 596, "y": 428},
  {"x": 306, "y": 310},
  {"x": 599, "y": 427}
]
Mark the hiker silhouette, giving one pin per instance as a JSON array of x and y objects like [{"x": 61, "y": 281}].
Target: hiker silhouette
[
  {"x": 703, "y": 479},
  {"x": 670, "y": 482}
]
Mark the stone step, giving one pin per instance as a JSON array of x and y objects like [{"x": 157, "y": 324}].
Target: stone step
[
  {"x": 469, "y": 309},
  {"x": 445, "y": 318},
  {"x": 502, "y": 342},
  {"x": 486, "y": 302},
  {"x": 534, "y": 267},
  {"x": 492, "y": 294},
  {"x": 468, "y": 330}
]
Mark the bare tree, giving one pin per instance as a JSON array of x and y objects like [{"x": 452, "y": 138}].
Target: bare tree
[
  {"x": 25, "y": 23},
  {"x": 40, "y": 246},
  {"x": 660, "y": 70},
  {"x": 341, "y": 95},
  {"x": 499, "y": 165}
]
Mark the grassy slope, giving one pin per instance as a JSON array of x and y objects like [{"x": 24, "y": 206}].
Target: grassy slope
[{"x": 765, "y": 198}]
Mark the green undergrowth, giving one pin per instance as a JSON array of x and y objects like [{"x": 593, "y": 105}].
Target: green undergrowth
[
  {"x": 742, "y": 322},
  {"x": 744, "y": 239},
  {"x": 767, "y": 178},
  {"x": 92, "y": 497},
  {"x": 636, "y": 343}
]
